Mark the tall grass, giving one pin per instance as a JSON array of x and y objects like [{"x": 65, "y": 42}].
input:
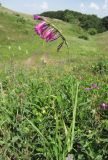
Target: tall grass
[
  {"x": 61, "y": 146},
  {"x": 46, "y": 114}
]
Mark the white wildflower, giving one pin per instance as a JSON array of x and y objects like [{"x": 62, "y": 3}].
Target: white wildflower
[
  {"x": 9, "y": 47},
  {"x": 19, "y": 48}
]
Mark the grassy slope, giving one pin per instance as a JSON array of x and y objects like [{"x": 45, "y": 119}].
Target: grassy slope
[
  {"x": 14, "y": 34},
  {"x": 18, "y": 35},
  {"x": 102, "y": 41}
]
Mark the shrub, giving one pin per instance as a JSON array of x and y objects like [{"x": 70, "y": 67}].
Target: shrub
[
  {"x": 105, "y": 22},
  {"x": 21, "y": 20},
  {"x": 85, "y": 37},
  {"x": 92, "y": 31},
  {"x": 17, "y": 15}
]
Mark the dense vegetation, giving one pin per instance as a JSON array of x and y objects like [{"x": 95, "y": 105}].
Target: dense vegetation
[
  {"x": 46, "y": 98},
  {"x": 85, "y": 21},
  {"x": 41, "y": 91}
]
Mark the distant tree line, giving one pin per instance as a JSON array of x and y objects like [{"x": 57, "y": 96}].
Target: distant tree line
[{"x": 83, "y": 20}]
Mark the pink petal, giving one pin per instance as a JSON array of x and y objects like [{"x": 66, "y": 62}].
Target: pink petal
[{"x": 36, "y": 17}]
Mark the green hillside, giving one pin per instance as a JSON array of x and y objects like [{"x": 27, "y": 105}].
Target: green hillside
[
  {"x": 102, "y": 41},
  {"x": 17, "y": 31},
  {"x": 14, "y": 26}
]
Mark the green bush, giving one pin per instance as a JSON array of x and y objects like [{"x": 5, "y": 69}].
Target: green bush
[
  {"x": 21, "y": 20},
  {"x": 92, "y": 31},
  {"x": 85, "y": 37},
  {"x": 105, "y": 23},
  {"x": 17, "y": 14}
]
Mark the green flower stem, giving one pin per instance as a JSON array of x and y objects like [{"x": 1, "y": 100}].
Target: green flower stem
[{"x": 61, "y": 35}]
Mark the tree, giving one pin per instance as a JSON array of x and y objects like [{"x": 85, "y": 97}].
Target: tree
[
  {"x": 69, "y": 17},
  {"x": 105, "y": 22}
]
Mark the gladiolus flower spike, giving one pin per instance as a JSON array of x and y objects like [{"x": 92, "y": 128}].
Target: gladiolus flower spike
[{"x": 49, "y": 32}]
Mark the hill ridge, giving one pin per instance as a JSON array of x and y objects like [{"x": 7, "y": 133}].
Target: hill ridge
[{"x": 83, "y": 20}]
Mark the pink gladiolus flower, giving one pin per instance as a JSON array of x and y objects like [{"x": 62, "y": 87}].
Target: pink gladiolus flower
[
  {"x": 41, "y": 27},
  {"x": 36, "y": 17},
  {"x": 49, "y": 32},
  {"x": 56, "y": 36},
  {"x": 51, "y": 38},
  {"x": 48, "y": 35}
]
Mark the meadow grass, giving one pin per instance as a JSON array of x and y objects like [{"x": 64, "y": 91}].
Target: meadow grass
[{"x": 36, "y": 115}]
